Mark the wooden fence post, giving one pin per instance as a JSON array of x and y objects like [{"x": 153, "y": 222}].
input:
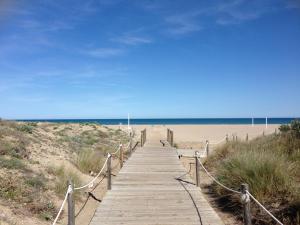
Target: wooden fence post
[
  {"x": 247, "y": 137},
  {"x": 172, "y": 138},
  {"x": 121, "y": 156},
  {"x": 142, "y": 137},
  {"x": 71, "y": 205},
  {"x": 207, "y": 148},
  {"x": 236, "y": 138},
  {"x": 130, "y": 145},
  {"x": 109, "y": 172},
  {"x": 246, "y": 204},
  {"x": 226, "y": 137},
  {"x": 197, "y": 169},
  {"x": 168, "y": 134}
]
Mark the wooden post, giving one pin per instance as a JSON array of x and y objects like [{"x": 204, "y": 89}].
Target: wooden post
[
  {"x": 236, "y": 138},
  {"x": 172, "y": 138},
  {"x": 142, "y": 137},
  {"x": 109, "y": 172},
  {"x": 247, "y": 137},
  {"x": 233, "y": 137},
  {"x": 71, "y": 205},
  {"x": 197, "y": 169},
  {"x": 227, "y": 138},
  {"x": 246, "y": 205},
  {"x": 263, "y": 133},
  {"x": 130, "y": 145},
  {"x": 168, "y": 134},
  {"x": 207, "y": 148},
  {"x": 121, "y": 157}
]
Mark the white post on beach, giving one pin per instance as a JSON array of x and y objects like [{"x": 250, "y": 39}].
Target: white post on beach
[
  {"x": 128, "y": 123},
  {"x": 266, "y": 122}
]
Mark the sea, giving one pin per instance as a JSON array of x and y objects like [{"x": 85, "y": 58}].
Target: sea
[{"x": 171, "y": 121}]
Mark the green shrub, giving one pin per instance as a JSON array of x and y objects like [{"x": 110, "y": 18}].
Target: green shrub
[
  {"x": 293, "y": 128},
  {"x": 26, "y": 128},
  {"x": 36, "y": 181},
  {"x": 284, "y": 128},
  {"x": 11, "y": 188},
  {"x": 11, "y": 163}
]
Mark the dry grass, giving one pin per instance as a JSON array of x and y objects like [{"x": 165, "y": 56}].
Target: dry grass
[
  {"x": 271, "y": 167},
  {"x": 63, "y": 175},
  {"x": 89, "y": 160}
]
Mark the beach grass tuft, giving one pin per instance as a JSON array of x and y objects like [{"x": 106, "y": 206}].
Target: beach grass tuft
[{"x": 270, "y": 165}]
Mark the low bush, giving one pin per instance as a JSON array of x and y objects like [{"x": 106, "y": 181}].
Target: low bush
[
  {"x": 26, "y": 128},
  {"x": 12, "y": 163},
  {"x": 37, "y": 181}
]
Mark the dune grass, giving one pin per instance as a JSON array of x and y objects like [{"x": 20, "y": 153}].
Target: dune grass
[
  {"x": 63, "y": 175},
  {"x": 89, "y": 160},
  {"x": 271, "y": 167}
]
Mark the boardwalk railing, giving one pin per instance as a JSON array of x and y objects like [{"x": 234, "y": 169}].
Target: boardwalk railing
[
  {"x": 143, "y": 137},
  {"x": 170, "y": 137},
  {"x": 244, "y": 192},
  {"x": 119, "y": 153}
]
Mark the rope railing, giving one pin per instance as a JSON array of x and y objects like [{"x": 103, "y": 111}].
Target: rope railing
[
  {"x": 260, "y": 205},
  {"x": 215, "y": 180},
  {"x": 69, "y": 190},
  {"x": 106, "y": 164},
  {"x": 220, "y": 141},
  {"x": 89, "y": 184},
  {"x": 245, "y": 194}
]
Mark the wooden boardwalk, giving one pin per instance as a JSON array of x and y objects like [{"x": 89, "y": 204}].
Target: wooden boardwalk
[{"x": 154, "y": 188}]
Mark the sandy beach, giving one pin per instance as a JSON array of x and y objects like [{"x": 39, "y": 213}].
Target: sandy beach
[{"x": 196, "y": 134}]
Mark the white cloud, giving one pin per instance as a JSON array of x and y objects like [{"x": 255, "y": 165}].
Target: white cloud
[
  {"x": 103, "y": 52},
  {"x": 181, "y": 24},
  {"x": 132, "y": 40}
]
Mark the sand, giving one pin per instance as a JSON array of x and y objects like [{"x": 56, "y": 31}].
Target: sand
[{"x": 200, "y": 133}]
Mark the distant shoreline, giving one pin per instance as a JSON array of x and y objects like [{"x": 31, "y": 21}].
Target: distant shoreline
[{"x": 170, "y": 121}]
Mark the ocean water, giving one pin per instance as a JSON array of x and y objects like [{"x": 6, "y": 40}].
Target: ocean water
[{"x": 173, "y": 121}]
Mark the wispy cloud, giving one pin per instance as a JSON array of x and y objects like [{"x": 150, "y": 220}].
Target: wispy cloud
[
  {"x": 132, "y": 40},
  {"x": 103, "y": 52},
  {"x": 182, "y": 24}
]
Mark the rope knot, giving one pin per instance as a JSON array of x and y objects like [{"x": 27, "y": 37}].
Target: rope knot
[{"x": 245, "y": 198}]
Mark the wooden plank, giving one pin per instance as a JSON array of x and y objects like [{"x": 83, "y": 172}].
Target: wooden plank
[{"x": 153, "y": 188}]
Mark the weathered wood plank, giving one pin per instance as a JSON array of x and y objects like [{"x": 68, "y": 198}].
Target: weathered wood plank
[{"x": 153, "y": 188}]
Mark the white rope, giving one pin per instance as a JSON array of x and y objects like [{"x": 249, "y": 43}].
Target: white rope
[
  {"x": 127, "y": 145},
  {"x": 114, "y": 153},
  {"x": 214, "y": 179},
  {"x": 220, "y": 141},
  {"x": 62, "y": 205},
  {"x": 93, "y": 180},
  {"x": 268, "y": 212}
]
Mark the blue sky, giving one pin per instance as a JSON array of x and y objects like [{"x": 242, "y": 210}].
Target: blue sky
[{"x": 158, "y": 58}]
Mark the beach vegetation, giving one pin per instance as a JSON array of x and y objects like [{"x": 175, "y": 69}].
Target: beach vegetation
[
  {"x": 89, "y": 160},
  {"x": 27, "y": 128},
  {"x": 11, "y": 163},
  {"x": 63, "y": 175},
  {"x": 270, "y": 165}
]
